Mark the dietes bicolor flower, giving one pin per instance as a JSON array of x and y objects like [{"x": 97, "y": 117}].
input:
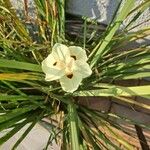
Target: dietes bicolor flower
[{"x": 68, "y": 65}]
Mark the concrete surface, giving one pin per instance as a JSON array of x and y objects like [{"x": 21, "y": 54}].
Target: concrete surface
[
  {"x": 102, "y": 10},
  {"x": 35, "y": 140}
]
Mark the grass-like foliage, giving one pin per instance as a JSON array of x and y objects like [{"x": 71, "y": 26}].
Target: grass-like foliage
[{"x": 26, "y": 98}]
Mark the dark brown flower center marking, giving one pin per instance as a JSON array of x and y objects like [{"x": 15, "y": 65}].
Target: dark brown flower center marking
[
  {"x": 74, "y": 57},
  {"x": 55, "y": 64},
  {"x": 70, "y": 76}
]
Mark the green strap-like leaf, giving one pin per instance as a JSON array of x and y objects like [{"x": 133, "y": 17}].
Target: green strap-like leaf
[
  {"x": 117, "y": 91},
  {"x": 19, "y": 65},
  {"x": 113, "y": 28},
  {"x": 73, "y": 127},
  {"x": 16, "y": 112},
  {"x": 19, "y": 76},
  {"x": 19, "y": 97}
]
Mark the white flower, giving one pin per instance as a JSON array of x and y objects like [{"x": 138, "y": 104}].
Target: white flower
[{"x": 68, "y": 64}]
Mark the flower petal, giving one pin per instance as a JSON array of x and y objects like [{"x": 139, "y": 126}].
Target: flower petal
[
  {"x": 49, "y": 61},
  {"x": 78, "y": 53},
  {"x": 83, "y": 68},
  {"x": 51, "y": 70},
  {"x": 60, "y": 52},
  {"x": 71, "y": 84}
]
